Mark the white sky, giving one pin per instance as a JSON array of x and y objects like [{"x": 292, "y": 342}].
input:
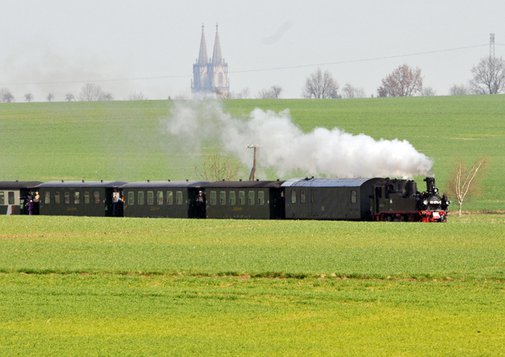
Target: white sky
[{"x": 150, "y": 46}]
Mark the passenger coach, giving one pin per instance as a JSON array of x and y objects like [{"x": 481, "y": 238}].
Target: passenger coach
[
  {"x": 338, "y": 199},
  {"x": 80, "y": 198},
  {"x": 164, "y": 199},
  {"x": 16, "y": 195},
  {"x": 245, "y": 199}
]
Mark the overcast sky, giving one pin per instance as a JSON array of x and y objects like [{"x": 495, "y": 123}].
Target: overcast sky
[{"x": 149, "y": 46}]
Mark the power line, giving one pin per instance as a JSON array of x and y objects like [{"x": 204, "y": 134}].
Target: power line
[
  {"x": 265, "y": 69},
  {"x": 359, "y": 60}
]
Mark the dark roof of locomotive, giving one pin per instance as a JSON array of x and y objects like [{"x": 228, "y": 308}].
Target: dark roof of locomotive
[
  {"x": 13, "y": 185},
  {"x": 82, "y": 184},
  {"x": 244, "y": 184},
  {"x": 326, "y": 182},
  {"x": 164, "y": 184}
]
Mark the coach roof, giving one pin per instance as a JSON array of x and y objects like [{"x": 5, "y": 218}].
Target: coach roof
[
  {"x": 164, "y": 184},
  {"x": 82, "y": 184},
  {"x": 326, "y": 182}
]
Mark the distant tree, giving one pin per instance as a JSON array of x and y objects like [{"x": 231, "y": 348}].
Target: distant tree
[
  {"x": 6, "y": 95},
  {"x": 243, "y": 94},
  {"x": 349, "y": 92},
  {"x": 402, "y": 82},
  {"x": 28, "y": 97},
  {"x": 464, "y": 182},
  {"x": 320, "y": 85},
  {"x": 216, "y": 168},
  {"x": 428, "y": 92},
  {"x": 107, "y": 97},
  {"x": 91, "y": 92},
  {"x": 489, "y": 76},
  {"x": 69, "y": 97},
  {"x": 50, "y": 97},
  {"x": 459, "y": 89},
  {"x": 137, "y": 96},
  {"x": 271, "y": 93}
]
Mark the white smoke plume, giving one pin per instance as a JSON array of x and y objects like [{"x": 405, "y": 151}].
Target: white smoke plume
[{"x": 286, "y": 149}]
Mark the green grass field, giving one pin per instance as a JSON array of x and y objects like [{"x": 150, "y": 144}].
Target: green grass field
[
  {"x": 143, "y": 287},
  {"x": 97, "y": 286},
  {"x": 127, "y": 140}
]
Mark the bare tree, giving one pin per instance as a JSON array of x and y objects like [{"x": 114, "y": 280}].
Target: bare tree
[
  {"x": 489, "y": 76},
  {"x": 243, "y": 94},
  {"x": 137, "y": 96},
  {"x": 320, "y": 85},
  {"x": 428, "y": 92},
  {"x": 349, "y": 91},
  {"x": 459, "y": 89},
  {"x": 28, "y": 97},
  {"x": 402, "y": 82},
  {"x": 6, "y": 95},
  {"x": 69, "y": 97},
  {"x": 50, "y": 97},
  {"x": 91, "y": 92},
  {"x": 271, "y": 93},
  {"x": 465, "y": 182},
  {"x": 217, "y": 168}
]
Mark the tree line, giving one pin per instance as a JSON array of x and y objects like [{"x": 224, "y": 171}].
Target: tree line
[
  {"x": 90, "y": 92},
  {"x": 488, "y": 77}
]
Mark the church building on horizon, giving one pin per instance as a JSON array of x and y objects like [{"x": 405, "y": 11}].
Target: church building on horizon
[{"x": 210, "y": 75}]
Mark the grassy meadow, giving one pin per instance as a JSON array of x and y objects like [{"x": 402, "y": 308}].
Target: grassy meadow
[
  {"x": 128, "y": 140},
  {"x": 98, "y": 286},
  {"x": 144, "y": 287}
]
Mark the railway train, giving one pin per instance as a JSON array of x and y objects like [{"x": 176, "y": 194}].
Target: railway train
[{"x": 356, "y": 199}]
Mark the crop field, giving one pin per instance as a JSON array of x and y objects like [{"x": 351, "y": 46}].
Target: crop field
[
  {"x": 98, "y": 286},
  {"x": 144, "y": 287},
  {"x": 129, "y": 140}
]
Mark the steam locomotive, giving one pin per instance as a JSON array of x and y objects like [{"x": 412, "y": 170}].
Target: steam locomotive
[{"x": 356, "y": 199}]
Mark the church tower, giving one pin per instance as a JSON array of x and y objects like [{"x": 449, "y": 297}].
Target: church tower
[{"x": 210, "y": 75}]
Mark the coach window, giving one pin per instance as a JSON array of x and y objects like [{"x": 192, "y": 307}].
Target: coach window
[
  {"x": 57, "y": 198},
  {"x": 170, "y": 198},
  {"x": 179, "y": 198},
  {"x": 67, "y": 198},
  {"x": 261, "y": 198},
  {"x": 77, "y": 199},
  {"x": 11, "y": 198},
  {"x": 213, "y": 198},
  {"x": 131, "y": 198},
  {"x": 87, "y": 199},
  {"x": 293, "y": 197},
  {"x": 2, "y": 198},
  {"x": 150, "y": 198},
  {"x": 140, "y": 198},
  {"x": 159, "y": 196},
  {"x": 241, "y": 198},
  {"x": 354, "y": 196},
  {"x": 250, "y": 198},
  {"x": 232, "y": 196},
  {"x": 222, "y": 198},
  {"x": 96, "y": 197},
  {"x": 302, "y": 196}
]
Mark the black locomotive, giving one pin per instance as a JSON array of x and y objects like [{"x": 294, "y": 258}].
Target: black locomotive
[{"x": 359, "y": 199}]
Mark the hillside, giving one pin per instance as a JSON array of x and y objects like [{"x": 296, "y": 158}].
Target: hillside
[{"x": 129, "y": 140}]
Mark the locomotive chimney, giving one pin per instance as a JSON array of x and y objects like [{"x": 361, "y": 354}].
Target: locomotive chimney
[{"x": 430, "y": 184}]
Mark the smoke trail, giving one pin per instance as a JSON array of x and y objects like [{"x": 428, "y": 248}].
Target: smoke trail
[{"x": 286, "y": 149}]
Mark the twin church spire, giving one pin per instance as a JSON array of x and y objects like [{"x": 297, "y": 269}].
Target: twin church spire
[{"x": 210, "y": 75}]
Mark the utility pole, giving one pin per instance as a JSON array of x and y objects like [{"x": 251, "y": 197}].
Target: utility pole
[
  {"x": 252, "y": 175},
  {"x": 491, "y": 45}
]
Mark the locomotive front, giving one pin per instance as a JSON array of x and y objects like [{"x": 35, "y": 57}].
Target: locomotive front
[{"x": 432, "y": 207}]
